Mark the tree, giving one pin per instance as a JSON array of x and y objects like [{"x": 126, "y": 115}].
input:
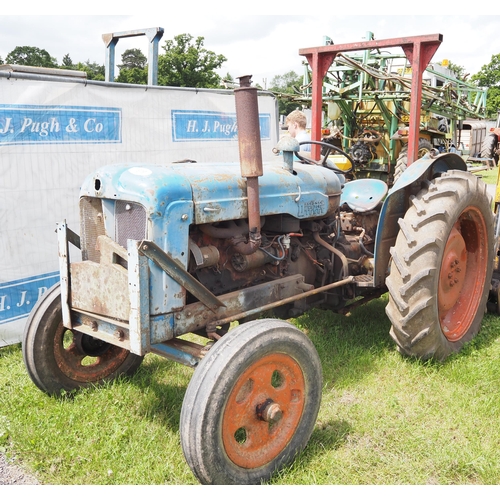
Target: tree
[
  {"x": 133, "y": 68},
  {"x": 94, "y": 71},
  {"x": 31, "y": 56},
  {"x": 67, "y": 63},
  {"x": 133, "y": 58},
  {"x": 489, "y": 76},
  {"x": 138, "y": 76},
  {"x": 186, "y": 63},
  {"x": 458, "y": 70},
  {"x": 228, "y": 82},
  {"x": 286, "y": 85}
]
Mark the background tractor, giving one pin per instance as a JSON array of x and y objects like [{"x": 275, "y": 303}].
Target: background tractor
[
  {"x": 167, "y": 250},
  {"x": 490, "y": 147},
  {"x": 366, "y": 110}
]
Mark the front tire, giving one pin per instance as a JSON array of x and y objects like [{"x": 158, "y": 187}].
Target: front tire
[
  {"x": 59, "y": 360},
  {"x": 441, "y": 269},
  {"x": 252, "y": 403}
]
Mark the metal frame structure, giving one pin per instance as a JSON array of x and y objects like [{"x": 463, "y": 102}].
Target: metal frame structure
[
  {"x": 111, "y": 39},
  {"x": 419, "y": 51}
]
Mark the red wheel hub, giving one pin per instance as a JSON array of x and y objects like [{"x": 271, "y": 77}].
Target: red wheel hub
[
  {"x": 263, "y": 410},
  {"x": 462, "y": 274}
]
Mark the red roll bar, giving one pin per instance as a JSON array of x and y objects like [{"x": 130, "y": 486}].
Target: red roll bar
[{"x": 418, "y": 50}]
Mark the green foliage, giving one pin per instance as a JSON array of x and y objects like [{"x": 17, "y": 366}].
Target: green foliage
[
  {"x": 137, "y": 76},
  {"x": 186, "y": 63},
  {"x": 227, "y": 81},
  {"x": 493, "y": 101},
  {"x": 133, "y": 58},
  {"x": 286, "y": 85},
  {"x": 31, "y": 56},
  {"x": 489, "y": 76},
  {"x": 94, "y": 70},
  {"x": 67, "y": 62},
  {"x": 460, "y": 71},
  {"x": 133, "y": 68}
]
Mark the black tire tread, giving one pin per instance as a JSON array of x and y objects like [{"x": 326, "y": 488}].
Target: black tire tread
[
  {"x": 203, "y": 453},
  {"x": 489, "y": 147},
  {"x": 416, "y": 258},
  {"x": 38, "y": 352}
]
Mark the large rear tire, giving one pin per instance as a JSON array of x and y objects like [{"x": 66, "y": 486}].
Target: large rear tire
[
  {"x": 441, "y": 269},
  {"x": 59, "y": 360},
  {"x": 489, "y": 147},
  {"x": 251, "y": 404}
]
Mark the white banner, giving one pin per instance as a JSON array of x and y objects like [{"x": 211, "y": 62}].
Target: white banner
[{"x": 54, "y": 133}]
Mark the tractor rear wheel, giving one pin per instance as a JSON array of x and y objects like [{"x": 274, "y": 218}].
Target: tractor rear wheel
[
  {"x": 252, "y": 403},
  {"x": 489, "y": 147},
  {"x": 441, "y": 268},
  {"x": 424, "y": 146},
  {"x": 59, "y": 360}
]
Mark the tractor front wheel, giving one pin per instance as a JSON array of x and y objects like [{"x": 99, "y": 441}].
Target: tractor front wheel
[
  {"x": 252, "y": 403},
  {"x": 60, "y": 360},
  {"x": 441, "y": 267}
]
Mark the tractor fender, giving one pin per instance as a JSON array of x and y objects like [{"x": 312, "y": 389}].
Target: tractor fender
[{"x": 397, "y": 202}]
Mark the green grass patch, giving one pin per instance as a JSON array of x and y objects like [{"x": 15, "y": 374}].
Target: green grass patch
[
  {"x": 488, "y": 176},
  {"x": 384, "y": 419}
]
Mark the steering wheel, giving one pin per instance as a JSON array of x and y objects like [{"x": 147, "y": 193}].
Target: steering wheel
[{"x": 324, "y": 161}]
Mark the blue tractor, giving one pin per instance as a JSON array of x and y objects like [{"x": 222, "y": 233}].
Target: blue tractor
[{"x": 171, "y": 249}]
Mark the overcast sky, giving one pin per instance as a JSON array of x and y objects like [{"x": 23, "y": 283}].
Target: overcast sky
[{"x": 261, "y": 45}]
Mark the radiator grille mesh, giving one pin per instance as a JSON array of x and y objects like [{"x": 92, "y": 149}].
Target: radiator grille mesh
[
  {"x": 91, "y": 226},
  {"x": 130, "y": 222}
]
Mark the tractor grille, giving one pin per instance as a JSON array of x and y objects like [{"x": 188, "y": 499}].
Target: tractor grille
[
  {"x": 91, "y": 226},
  {"x": 129, "y": 223}
]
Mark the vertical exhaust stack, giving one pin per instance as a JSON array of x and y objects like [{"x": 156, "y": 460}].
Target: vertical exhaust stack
[{"x": 247, "y": 118}]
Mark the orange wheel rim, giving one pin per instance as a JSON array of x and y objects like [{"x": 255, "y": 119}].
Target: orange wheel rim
[
  {"x": 462, "y": 274},
  {"x": 263, "y": 410},
  {"x": 102, "y": 359}
]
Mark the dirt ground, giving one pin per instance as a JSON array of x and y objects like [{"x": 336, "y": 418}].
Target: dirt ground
[{"x": 13, "y": 474}]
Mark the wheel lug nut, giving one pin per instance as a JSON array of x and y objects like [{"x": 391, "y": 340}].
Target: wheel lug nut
[
  {"x": 272, "y": 413},
  {"x": 269, "y": 411}
]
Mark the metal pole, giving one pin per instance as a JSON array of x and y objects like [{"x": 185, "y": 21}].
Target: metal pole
[{"x": 111, "y": 39}]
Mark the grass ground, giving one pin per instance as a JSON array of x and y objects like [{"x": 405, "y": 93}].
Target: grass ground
[{"x": 384, "y": 419}]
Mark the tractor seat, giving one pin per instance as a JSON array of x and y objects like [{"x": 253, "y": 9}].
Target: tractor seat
[{"x": 363, "y": 195}]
